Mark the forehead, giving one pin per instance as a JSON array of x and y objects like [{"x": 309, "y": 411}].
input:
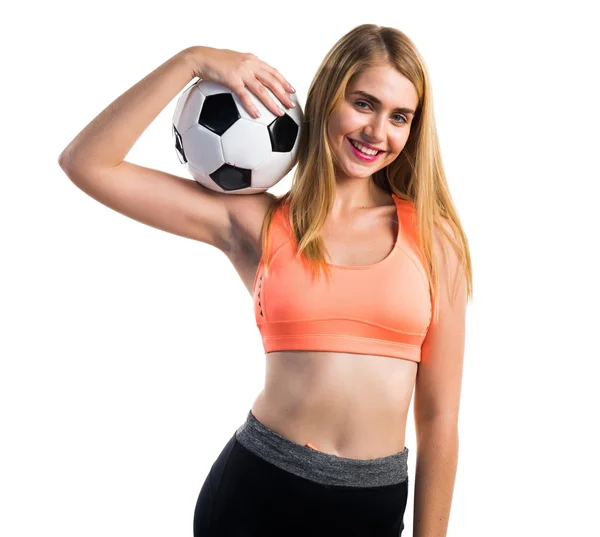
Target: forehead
[{"x": 387, "y": 84}]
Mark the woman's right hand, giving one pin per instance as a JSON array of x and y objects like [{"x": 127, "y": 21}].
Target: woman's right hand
[{"x": 241, "y": 73}]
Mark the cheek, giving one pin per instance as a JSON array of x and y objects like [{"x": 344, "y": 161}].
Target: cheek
[
  {"x": 351, "y": 122},
  {"x": 335, "y": 125},
  {"x": 344, "y": 121},
  {"x": 400, "y": 141}
]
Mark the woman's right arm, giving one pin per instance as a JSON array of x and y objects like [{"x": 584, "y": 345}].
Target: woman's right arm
[{"x": 95, "y": 159}]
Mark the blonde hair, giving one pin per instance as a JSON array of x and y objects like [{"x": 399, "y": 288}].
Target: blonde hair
[{"x": 416, "y": 175}]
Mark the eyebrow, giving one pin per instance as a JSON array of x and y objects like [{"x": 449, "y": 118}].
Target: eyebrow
[{"x": 377, "y": 101}]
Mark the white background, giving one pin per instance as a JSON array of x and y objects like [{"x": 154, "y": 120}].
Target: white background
[{"x": 130, "y": 355}]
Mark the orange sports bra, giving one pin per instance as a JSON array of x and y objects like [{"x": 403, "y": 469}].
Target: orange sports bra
[{"x": 381, "y": 309}]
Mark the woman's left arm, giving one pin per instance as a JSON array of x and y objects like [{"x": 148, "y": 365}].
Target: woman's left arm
[{"x": 437, "y": 398}]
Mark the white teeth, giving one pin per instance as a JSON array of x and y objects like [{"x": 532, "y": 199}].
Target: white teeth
[{"x": 363, "y": 149}]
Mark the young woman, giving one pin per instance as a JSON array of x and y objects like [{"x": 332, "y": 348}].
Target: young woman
[{"x": 360, "y": 276}]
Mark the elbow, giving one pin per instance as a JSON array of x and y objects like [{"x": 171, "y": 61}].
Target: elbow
[
  {"x": 63, "y": 160},
  {"x": 67, "y": 165}
]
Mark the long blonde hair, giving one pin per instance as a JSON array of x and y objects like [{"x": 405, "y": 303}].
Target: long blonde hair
[{"x": 416, "y": 175}]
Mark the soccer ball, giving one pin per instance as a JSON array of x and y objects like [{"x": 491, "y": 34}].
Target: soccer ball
[{"x": 227, "y": 150}]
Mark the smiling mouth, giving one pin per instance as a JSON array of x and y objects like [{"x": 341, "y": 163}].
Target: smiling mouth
[
  {"x": 352, "y": 141},
  {"x": 363, "y": 156}
]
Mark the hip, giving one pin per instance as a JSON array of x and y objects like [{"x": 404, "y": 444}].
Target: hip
[{"x": 264, "y": 484}]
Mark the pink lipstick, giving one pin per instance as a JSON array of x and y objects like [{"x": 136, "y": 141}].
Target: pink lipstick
[{"x": 363, "y": 156}]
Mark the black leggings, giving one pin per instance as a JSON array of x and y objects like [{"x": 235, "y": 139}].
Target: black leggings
[{"x": 264, "y": 485}]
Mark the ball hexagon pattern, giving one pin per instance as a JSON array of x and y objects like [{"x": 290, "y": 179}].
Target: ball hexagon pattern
[{"x": 227, "y": 150}]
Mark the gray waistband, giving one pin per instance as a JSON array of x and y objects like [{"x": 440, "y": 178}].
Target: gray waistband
[{"x": 317, "y": 466}]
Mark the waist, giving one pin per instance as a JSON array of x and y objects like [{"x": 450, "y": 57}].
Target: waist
[
  {"x": 320, "y": 467},
  {"x": 352, "y": 406}
]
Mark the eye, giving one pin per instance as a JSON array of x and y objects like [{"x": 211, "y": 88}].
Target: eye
[
  {"x": 402, "y": 117},
  {"x": 401, "y": 120},
  {"x": 359, "y": 102}
]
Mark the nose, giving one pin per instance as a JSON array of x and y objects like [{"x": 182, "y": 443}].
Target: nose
[{"x": 375, "y": 129}]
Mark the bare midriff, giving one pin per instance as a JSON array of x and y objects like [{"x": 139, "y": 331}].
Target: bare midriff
[{"x": 349, "y": 405}]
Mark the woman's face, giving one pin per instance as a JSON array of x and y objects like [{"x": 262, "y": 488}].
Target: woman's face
[{"x": 377, "y": 112}]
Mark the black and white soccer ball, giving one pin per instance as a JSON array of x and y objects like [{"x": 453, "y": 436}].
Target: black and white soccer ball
[{"x": 227, "y": 150}]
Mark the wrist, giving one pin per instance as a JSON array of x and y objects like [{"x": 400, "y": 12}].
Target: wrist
[{"x": 193, "y": 57}]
